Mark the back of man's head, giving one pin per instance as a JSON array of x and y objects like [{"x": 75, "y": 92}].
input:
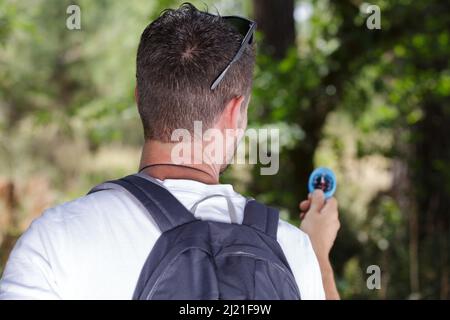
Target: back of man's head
[{"x": 179, "y": 56}]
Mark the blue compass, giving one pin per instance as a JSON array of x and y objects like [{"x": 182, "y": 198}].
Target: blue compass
[{"x": 324, "y": 179}]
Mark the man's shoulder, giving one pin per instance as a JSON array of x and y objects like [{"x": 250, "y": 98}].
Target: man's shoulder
[
  {"x": 90, "y": 221},
  {"x": 86, "y": 215},
  {"x": 87, "y": 206},
  {"x": 289, "y": 232}
]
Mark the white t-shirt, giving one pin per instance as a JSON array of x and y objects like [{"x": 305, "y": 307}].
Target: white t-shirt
[{"x": 95, "y": 246}]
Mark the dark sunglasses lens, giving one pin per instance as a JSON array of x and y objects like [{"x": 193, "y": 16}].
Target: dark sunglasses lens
[{"x": 242, "y": 25}]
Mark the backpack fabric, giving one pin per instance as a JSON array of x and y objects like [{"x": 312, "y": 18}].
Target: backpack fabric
[{"x": 206, "y": 260}]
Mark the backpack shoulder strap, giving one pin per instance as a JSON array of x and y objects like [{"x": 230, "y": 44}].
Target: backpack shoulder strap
[
  {"x": 261, "y": 217},
  {"x": 164, "y": 208}
]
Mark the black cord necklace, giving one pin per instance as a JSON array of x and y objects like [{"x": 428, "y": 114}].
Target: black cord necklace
[{"x": 174, "y": 165}]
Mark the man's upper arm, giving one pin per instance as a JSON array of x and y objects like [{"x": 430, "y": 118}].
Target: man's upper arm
[
  {"x": 28, "y": 273},
  {"x": 302, "y": 260}
]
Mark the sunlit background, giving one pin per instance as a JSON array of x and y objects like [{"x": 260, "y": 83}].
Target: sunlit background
[{"x": 373, "y": 105}]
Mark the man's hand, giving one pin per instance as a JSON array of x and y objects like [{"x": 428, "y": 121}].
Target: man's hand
[{"x": 320, "y": 222}]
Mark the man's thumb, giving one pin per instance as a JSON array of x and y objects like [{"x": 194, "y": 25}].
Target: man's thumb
[{"x": 317, "y": 200}]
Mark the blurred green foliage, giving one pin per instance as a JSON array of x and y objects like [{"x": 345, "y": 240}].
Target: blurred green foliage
[{"x": 371, "y": 104}]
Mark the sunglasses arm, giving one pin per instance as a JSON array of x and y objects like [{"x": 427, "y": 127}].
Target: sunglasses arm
[{"x": 220, "y": 77}]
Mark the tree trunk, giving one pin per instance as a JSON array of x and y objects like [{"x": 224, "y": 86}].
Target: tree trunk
[
  {"x": 430, "y": 164},
  {"x": 275, "y": 20},
  {"x": 9, "y": 219}
]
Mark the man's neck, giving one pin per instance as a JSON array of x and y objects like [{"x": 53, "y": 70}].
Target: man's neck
[{"x": 157, "y": 157}]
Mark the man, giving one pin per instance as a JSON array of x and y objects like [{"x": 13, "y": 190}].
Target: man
[{"x": 94, "y": 247}]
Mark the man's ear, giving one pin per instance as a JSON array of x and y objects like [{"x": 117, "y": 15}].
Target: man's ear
[{"x": 233, "y": 112}]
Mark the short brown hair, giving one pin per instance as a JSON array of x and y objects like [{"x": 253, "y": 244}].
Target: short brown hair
[{"x": 180, "y": 54}]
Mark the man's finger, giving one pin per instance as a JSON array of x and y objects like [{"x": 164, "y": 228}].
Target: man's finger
[
  {"x": 331, "y": 205},
  {"x": 317, "y": 200},
  {"x": 302, "y": 215},
  {"x": 304, "y": 205}
]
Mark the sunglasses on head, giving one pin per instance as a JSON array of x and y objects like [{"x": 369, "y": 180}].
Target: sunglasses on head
[{"x": 246, "y": 28}]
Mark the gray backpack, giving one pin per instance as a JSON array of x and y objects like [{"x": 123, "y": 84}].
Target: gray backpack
[{"x": 206, "y": 260}]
